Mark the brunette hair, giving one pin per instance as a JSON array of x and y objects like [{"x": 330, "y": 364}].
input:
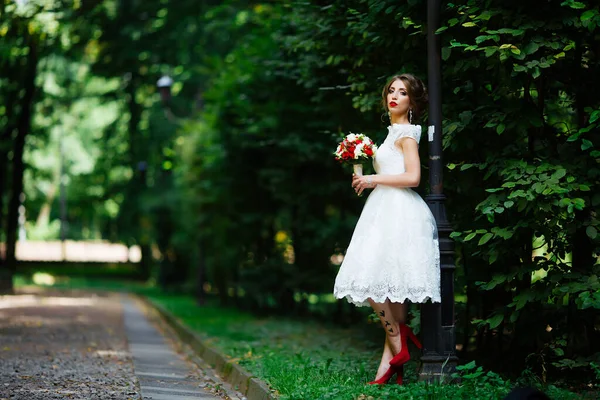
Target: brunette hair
[{"x": 417, "y": 93}]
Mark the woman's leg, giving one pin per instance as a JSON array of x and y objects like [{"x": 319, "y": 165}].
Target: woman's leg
[
  {"x": 384, "y": 364},
  {"x": 392, "y": 331},
  {"x": 400, "y": 312}
]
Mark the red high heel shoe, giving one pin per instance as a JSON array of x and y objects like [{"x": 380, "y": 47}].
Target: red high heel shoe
[
  {"x": 386, "y": 377},
  {"x": 400, "y": 375},
  {"x": 402, "y": 357}
]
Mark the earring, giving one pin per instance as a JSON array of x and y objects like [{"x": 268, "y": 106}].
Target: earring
[{"x": 410, "y": 115}]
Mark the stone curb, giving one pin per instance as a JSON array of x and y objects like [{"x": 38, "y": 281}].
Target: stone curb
[{"x": 232, "y": 373}]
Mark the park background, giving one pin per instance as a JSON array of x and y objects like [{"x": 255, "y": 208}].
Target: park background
[{"x": 226, "y": 188}]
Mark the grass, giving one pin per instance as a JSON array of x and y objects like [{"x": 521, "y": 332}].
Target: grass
[
  {"x": 303, "y": 359},
  {"x": 308, "y": 360}
]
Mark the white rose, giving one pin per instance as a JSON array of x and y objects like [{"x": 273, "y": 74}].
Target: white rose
[{"x": 358, "y": 151}]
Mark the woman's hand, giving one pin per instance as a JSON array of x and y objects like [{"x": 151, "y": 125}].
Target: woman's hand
[{"x": 360, "y": 183}]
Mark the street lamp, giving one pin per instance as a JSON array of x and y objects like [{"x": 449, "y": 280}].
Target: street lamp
[
  {"x": 164, "y": 88},
  {"x": 437, "y": 320}
]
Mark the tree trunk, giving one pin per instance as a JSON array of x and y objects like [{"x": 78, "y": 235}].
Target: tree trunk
[
  {"x": 5, "y": 146},
  {"x": 139, "y": 165},
  {"x": 23, "y": 128},
  {"x": 5, "y": 274}
]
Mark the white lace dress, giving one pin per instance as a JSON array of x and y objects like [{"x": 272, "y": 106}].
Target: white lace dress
[{"x": 394, "y": 251}]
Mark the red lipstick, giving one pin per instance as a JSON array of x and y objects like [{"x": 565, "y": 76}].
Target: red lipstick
[{"x": 393, "y": 104}]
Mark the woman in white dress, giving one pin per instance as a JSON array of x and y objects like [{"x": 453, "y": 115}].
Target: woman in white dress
[{"x": 393, "y": 256}]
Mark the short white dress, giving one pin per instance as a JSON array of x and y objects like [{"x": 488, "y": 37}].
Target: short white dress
[{"x": 394, "y": 251}]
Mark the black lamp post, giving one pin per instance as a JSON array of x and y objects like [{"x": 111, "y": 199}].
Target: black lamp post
[
  {"x": 437, "y": 320},
  {"x": 164, "y": 87}
]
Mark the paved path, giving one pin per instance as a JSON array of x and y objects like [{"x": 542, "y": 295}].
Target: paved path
[
  {"x": 161, "y": 372},
  {"x": 69, "y": 345}
]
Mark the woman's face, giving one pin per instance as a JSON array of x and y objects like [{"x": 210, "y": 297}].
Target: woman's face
[{"x": 398, "y": 101}]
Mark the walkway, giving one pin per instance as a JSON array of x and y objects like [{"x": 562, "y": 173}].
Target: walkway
[{"x": 83, "y": 346}]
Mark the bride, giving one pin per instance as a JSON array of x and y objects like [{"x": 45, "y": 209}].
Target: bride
[{"x": 393, "y": 256}]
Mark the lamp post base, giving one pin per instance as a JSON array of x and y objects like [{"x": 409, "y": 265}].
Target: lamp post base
[{"x": 438, "y": 369}]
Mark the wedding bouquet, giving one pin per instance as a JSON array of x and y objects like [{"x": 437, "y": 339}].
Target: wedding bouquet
[{"x": 355, "y": 149}]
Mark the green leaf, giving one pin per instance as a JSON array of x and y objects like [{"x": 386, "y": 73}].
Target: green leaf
[
  {"x": 470, "y": 236},
  {"x": 508, "y": 203},
  {"x": 559, "y": 173},
  {"x": 468, "y": 366},
  {"x": 586, "y": 144},
  {"x": 495, "y": 321},
  {"x": 441, "y": 29},
  {"x": 595, "y": 116},
  {"x": 446, "y": 51},
  {"x": 579, "y": 203},
  {"x": 592, "y": 232},
  {"x": 589, "y": 14},
  {"x": 485, "y": 238},
  {"x": 577, "y": 5},
  {"x": 469, "y": 24},
  {"x": 493, "y": 257},
  {"x": 559, "y": 352},
  {"x": 514, "y": 316},
  {"x": 584, "y": 188},
  {"x": 490, "y": 51},
  {"x": 531, "y": 48},
  {"x": 564, "y": 202},
  {"x": 500, "y": 128}
]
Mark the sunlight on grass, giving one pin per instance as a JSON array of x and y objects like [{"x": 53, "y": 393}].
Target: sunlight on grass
[{"x": 44, "y": 279}]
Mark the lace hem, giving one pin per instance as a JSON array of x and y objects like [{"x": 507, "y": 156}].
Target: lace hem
[{"x": 360, "y": 299}]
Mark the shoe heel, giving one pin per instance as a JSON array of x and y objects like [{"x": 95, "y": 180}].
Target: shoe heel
[
  {"x": 414, "y": 339},
  {"x": 400, "y": 376}
]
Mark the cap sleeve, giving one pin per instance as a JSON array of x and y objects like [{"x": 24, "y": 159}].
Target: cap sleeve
[{"x": 398, "y": 131}]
